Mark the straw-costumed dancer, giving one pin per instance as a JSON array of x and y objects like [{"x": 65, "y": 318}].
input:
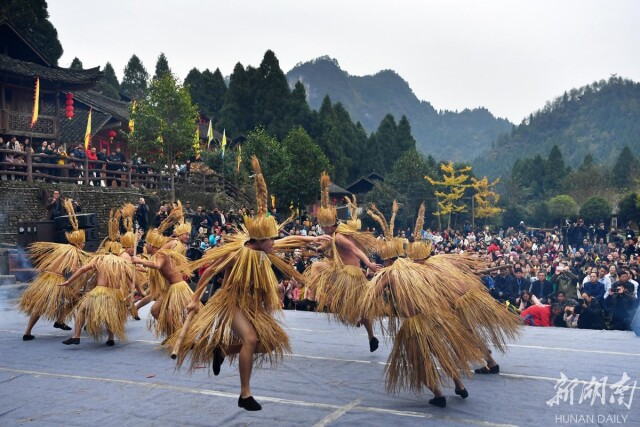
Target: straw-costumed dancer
[
  {"x": 105, "y": 306},
  {"x": 180, "y": 237},
  {"x": 167, "y": 272},
  {"x": 429, "y": 342},
  {"x": 338, "y": 281},
  {"x": 239, "y": 318},
  {"x": 129, "y": 243},
  {"x": 44, "y": 297},
  {"x": 489, "y": 321}
]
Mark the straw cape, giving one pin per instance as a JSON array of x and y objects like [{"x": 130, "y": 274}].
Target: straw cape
[
  {"x": 53, "y": 261},
  {"x": 250, "y": 286},
  {"x": 419, "y": 249},
  {"x": 105, "y": 307},
  {"x": 129, "y": 240},
  {"x": 158, "y": 286},
  {"x": 337, "y": 286},
  {"x": 439, "y": 315}
]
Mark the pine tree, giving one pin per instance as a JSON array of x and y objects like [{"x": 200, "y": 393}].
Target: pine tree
[
  {"x": 134, "y": 81},
  {"x": 299, "y": 112},
  {"x": 555, "y": 170},
  {"x": 108, "y": 84},
  {"x": 212, "y": 93},
  {"x": 76, "y": 64},
  {"x": 218, "y": 89},
  {"x": 272, "y": 96},
  {"x": 404, "y": 140},
  {"x": 235, "y": 113},
  {"x": 162, "y": 66},
  {"x": 193, "y": 83},
  {"x": 386, "y": 138},
  {"x": 624, "y": 172}
]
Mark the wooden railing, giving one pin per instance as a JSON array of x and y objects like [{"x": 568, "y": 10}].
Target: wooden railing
[{"x": 54, "y": 168}]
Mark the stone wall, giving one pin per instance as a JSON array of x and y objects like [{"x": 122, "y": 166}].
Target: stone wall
[{"x": 25, "y": 201}]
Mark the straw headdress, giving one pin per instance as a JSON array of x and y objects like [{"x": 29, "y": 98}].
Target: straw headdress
[
  {"x": 419, "y": 249},
  {"x": 391, "y": 247},
  {"x": 128, "y": 239},
  {"x": 75, "y": 237},
  {"x": 327, "y": 212},
  {"x": 155, "y": 237},
  {"x": 353, "y": 220},
  {"x": 112, "y": 245},
  {"x": 261, "y": 227}
]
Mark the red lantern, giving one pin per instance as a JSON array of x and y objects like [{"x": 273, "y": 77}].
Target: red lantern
[
  {"x": 69, "y": 107},
  {"x": 111, "y": 134}
]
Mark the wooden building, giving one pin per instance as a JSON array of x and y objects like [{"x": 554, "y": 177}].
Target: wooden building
[{"x": 21, "y": 63}]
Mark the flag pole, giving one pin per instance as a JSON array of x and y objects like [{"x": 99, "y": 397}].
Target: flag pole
[{"x": 223, "y": 186}]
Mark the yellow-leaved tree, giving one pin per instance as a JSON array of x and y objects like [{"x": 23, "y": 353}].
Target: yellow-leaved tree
[
  {"x": 453, "y": 183},
  {"x": 486, "y": 199}
]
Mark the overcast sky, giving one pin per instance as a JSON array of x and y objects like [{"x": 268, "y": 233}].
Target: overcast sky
[{"x": 509, "y": 56}]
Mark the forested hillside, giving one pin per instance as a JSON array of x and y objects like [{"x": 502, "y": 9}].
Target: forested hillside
[
  {"x": 598, "y": 119},
  {"x": 457, "y": 136}
]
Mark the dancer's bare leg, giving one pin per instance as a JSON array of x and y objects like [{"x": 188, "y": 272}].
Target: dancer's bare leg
[
  {"x": 491, "y": 362},
  {"x": 373, "y": 341},
  {"x": 235, "y": 349},
  {"x": 249, "y": 339},
  {"x": 143, "y": 301},
  {"x": 32, "y": 322},
  {"x": 77, "y": 329},
  {"x": 439, "y": 400},
  {"x": 491, "y": 367},
  {"x": 460, "y": 390},
  {"x": 155, "y": 308}
]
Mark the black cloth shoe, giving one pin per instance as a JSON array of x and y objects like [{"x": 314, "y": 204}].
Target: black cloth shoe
[
  {"x": 110, "y": 343},
  {"x": 27, "y": 337},
  {"x": 440, "y": 402},
  {"x": 249, "y": 403},
  {"x": 62, "y": 326},
  {"x": 218, "y": 359},
  {"x": 462, "y": 393},
  {"x": 70, "y": 341},
  {"x": 373, "y": 344},
  {"x": 488, "y": 370}
]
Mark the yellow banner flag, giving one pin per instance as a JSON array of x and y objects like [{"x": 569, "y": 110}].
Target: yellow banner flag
[
  {"x": 131, "y": 121},
  {"x": 273, "y": 201},
  {"x": 196, "y": 142},
  {"x": 36, "y": 103},
  {"x": 209, "y": 135},
  {"x": 87, "y": 133},
  {"x": 224, "y": 141},
  {"x": 239, "y": 157}
]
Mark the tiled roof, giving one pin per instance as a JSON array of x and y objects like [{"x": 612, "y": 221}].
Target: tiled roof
[
  {"x": 50, "y": 76},
  {"x": 120, "y": 110},
  {"x": 72, "y": 131},
  {"x": 336, "y": 189}
]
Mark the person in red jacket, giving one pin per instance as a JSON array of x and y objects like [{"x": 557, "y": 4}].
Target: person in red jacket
[
  {"x": 540, "y": 315},
  {"x": 92, "y": 156}
]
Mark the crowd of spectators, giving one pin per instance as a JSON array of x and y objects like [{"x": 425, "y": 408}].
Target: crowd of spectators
[
  {"x": 570, "y": 276},
  {"x": 69, "y": 161}
]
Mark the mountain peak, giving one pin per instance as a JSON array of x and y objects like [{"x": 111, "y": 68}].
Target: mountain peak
[{"x": 369, "y": 98}]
